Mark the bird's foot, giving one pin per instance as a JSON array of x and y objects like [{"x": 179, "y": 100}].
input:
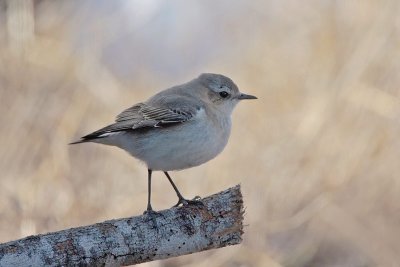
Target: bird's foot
[
  {"x": 195, "y": 202},
  {"x": 152, "y": 215},
  {"x": 151, "y": 212},
  {"x": 198, "y": 198}
]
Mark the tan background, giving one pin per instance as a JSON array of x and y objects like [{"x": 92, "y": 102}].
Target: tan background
[{"x": 317, "y": 155}]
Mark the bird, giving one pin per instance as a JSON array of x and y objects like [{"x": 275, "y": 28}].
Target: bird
[{"x": 178, "y": 128}]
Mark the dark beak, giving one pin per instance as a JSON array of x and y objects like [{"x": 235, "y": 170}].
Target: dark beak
[{"x": 244, "y": 96}]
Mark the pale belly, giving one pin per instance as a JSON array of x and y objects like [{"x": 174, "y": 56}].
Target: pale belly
[{"x": 177, "y": 147}]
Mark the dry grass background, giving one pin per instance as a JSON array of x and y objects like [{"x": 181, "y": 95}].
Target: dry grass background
[{"x": 317, "y": 155}]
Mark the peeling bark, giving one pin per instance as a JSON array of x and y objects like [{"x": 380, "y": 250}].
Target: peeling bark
[{"x": 171, "y": 233}]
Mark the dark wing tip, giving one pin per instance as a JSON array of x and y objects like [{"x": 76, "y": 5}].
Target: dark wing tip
[
  {"x": 78, "y": 142},
  {"x": 92, "y": 136},
  {"x": 86, "y": 138}
]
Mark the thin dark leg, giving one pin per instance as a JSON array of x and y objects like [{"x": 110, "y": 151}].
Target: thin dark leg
[
  {"x": 149, "y": 208},
  {"x": 149, "y": 211},
  {"x": 182, "y": 200},
  {"x": 174, "y": 186}
]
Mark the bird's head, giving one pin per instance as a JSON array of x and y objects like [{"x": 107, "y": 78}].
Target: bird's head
[{"x": 222, "y": 92}]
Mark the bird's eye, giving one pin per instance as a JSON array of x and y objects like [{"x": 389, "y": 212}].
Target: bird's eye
[{"x": 223, "y": 94}]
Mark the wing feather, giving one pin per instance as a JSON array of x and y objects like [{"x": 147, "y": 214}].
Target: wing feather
[{"x": 163, "y": 113}]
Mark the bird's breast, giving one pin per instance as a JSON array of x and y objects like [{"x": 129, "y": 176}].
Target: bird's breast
[{"x": 187, "y": 145}]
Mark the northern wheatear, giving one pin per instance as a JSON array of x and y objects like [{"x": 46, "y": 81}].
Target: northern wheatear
[{"x": 178, "y": 128}]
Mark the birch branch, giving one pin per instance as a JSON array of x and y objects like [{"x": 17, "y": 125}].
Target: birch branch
[{"x": 174, "y": 232}]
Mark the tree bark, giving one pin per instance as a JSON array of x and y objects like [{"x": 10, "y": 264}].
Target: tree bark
[{"x": 170, "y": 233}]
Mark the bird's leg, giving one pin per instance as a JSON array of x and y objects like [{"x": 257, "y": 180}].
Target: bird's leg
[
  {"x": 149, "y": 211},
  {"x": 149, "y": 208},
  {"x": 182, "y": 200}
]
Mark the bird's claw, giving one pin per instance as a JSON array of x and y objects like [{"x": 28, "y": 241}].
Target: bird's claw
[
  {"x": 151, "y": 212},
  {"x": 152, "y": 215},
  {"x": 195, "y": 202}
]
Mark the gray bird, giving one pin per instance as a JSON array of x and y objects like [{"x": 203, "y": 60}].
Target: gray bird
[{"x": 178, "y": 128}]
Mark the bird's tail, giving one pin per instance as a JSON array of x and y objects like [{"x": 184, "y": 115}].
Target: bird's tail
[
  {"x": 95, "y": 136},
  {"x": 79, "y": 142}
]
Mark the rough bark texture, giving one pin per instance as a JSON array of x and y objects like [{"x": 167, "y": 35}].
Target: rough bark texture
[{"x": 173, "y": 232}]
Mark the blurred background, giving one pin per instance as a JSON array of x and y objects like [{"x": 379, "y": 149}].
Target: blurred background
[{"x": 317, "y": 154}]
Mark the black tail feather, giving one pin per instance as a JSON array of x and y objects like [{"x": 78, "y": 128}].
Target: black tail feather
[
  {"x": 95, "y": 135},
  {"x": 79, "y": 142}
]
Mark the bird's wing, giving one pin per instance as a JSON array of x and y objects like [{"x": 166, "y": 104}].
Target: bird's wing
[
  {"x": 145, "y": 115},
  {"x": 156, "y": 113}
]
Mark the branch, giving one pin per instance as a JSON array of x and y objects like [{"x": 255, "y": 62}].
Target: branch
[{"x": 174, "y": 232}]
